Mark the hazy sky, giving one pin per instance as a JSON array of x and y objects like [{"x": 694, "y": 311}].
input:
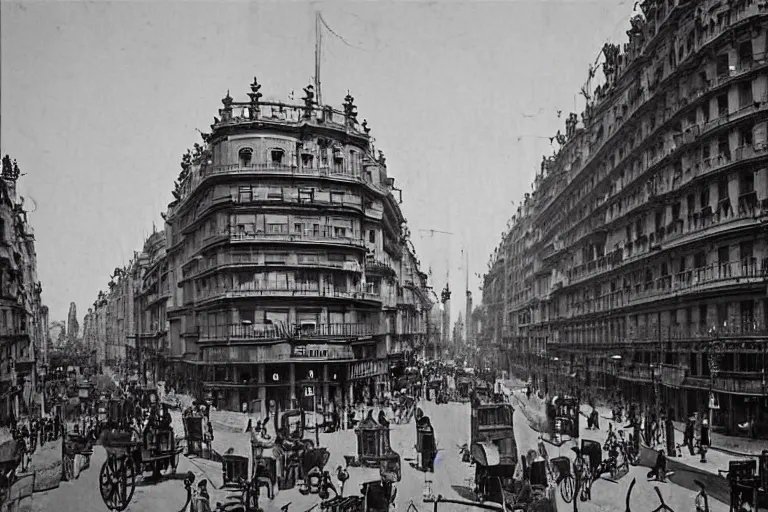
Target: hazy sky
[{"x": 99, "y": 101}]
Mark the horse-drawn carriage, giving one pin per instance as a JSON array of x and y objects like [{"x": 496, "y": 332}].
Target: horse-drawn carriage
[
  {"x": 194, "y": 433},
  {"x": 494, "y": 449},
  {"x": 374, "y": 449},
  {"x": 131, "y": 451},
  {"x": 482, "y": 392},
  {"x": 464, "y": 388},
  {"x": 74, "y": 443},
  {"x": 563, "y": 420},
  {"x": 300, "y": 458}
]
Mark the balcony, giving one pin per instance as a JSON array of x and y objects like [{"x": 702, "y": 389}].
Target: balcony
[
  {"x": 240, "y": 332},
  {"x": 231, "y": 260},
  {"x": 709, "y": 278},
  {"x": 739, "y": 383},
  {"x": 379, "y": 268},
  {"x": 698, "y": 227},
  {"x": 252, "y": 290},
  {"x": 737, "y": 329},
  {"x": 636, "y": 373},
  {"x": 7, "y": 332},
  {"x": 320, "y": 237}
]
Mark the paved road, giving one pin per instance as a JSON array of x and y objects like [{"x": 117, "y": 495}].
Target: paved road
[
  {"x": 452, "y": 478},
  {"x": 607, "y": 496}
]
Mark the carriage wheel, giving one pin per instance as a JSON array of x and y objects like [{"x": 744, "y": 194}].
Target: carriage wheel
[
  {"x": 567, "y": 486},
  {"x": 117, "y": 481}
]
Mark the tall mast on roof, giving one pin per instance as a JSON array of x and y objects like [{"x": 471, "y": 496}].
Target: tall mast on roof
[{"x": 318, "y": 55}]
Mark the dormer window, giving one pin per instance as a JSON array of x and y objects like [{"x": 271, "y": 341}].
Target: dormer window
[
  {"x": 277, "y": 156},
  {"x": 246, "y": 157}
]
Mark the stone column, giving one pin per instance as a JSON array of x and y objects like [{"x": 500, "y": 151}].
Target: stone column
[
  {"x": 326, "y": 386},
  {"x": 262, "y": 389},
  {"x": 292, "y": 380}
]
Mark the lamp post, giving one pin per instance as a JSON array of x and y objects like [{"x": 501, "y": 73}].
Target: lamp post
[{"x": 715, "y": 351}]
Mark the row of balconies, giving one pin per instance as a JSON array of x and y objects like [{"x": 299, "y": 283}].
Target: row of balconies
[
  {"x": 739, "y": 328},
  {"x": 231, "y": 259},
  {"x": 305, "y": 290},
  {"x": 706, "y": 278},
  {"x": 271, "y": 332},
  {"x": 700, "y": 168},
  {"x": 314, "y": 237},
  {"x": 696, "y": 228},
  {"x": 592, "y": 155},
  {"x": 339, "y": 171}
]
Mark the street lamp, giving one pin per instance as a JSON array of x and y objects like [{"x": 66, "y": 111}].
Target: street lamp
[{"x": 715, "y": 351}]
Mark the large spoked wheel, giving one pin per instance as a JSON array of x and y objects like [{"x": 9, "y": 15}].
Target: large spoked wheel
[
  {"x": 567, "y": 487},
  {"x": 117, "y": 481}
]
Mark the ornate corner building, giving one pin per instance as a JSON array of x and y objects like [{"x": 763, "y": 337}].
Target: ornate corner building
[
  {"x": 23, "y": 318},
  {"x": 285, "y": 270},
  {"x": 637, "y": 267}
]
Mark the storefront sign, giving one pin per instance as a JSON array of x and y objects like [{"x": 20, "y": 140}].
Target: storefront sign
[
  {"x": 261, "y": 354},
  {"x": 365, "y": 369},
  {"x": 309, "y": 391},
  {"x": 323, "y": 351}
]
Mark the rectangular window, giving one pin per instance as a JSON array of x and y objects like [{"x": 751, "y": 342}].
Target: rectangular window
[
  {"x": 245, "y": 194},
  {"x": 339, "y": 232},
  {"x": 277, "y": 229},
  {"x": 745, "y": 94},
  {"x": 275, "y": 193},
  {"x": 306, "y": 195},
  {"x": 722, "y": 105}
]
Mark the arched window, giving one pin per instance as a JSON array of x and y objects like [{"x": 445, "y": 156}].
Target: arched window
[
  {"x": 277, "y": 156},
  {"x": 246, "y": 156}
]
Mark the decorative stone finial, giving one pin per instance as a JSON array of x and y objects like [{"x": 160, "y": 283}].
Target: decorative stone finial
[
  {"x": 365, "y": 127},
  {"x": 227, "y": 100},
  {"x": 309, "y": 100},
  {"x": 255, "y": 95}
]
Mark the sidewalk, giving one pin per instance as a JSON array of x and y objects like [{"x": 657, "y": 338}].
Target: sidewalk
[{"x": 717, "y": 459}]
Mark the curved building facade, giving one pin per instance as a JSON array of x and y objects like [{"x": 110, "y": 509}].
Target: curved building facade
[
  {"x": 291, "y": 274},
  {"x": 638, "y": 265}
]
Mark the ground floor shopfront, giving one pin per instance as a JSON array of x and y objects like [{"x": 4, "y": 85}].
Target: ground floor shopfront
[{"x": 286, "y": 384}]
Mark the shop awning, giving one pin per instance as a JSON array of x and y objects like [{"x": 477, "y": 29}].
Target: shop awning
[{"x": 486, "y": 454}]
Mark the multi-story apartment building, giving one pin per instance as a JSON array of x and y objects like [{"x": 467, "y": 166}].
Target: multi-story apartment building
[
  {"x": 285, "y": 268},
  {"x": 22, "y": 315},
  {"x": 109, "y": 328},
  {"x": 639, "y": 262},
  {"x": 153, "y": 285}
]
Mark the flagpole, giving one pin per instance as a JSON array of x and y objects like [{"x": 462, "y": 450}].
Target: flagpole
[{"x": 318, "y": 56}]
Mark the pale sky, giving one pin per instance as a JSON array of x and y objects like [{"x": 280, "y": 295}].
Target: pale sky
[{"x": 100, "y": 100}]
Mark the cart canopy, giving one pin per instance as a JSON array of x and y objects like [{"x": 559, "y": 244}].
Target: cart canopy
[{"x": 486, "y": 454}]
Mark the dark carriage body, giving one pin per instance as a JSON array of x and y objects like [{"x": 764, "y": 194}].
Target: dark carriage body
[{"x": 374, "y": 449}]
